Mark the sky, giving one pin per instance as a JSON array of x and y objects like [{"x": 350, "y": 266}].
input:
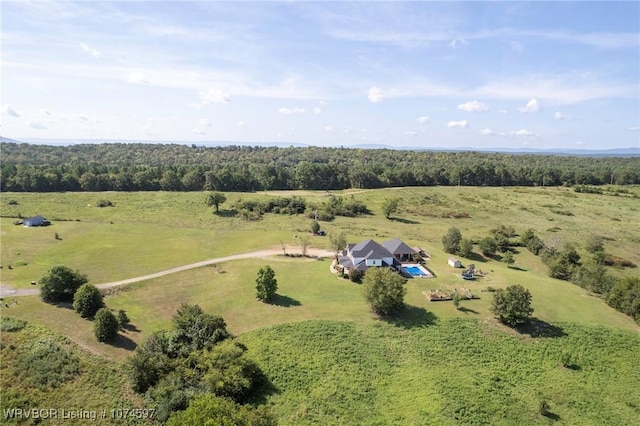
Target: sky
[{"x": 535, "y": 75}]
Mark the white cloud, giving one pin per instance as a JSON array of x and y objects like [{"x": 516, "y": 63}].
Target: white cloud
[
  {"x": 559, "y": 116},
  {"x": 462, "y": 123},
  {"x": 459, "y": 42},
  {"x": 522, "y": 132},
  {"x": 289, "y": 111},
  {"x": 422, "y": 119},
  {"x": 329, "y": 129},
  {"x": 9, "y": 110},
  {"x": 633, "y": 129},
  {"x": 375, "y": 95},
  {"x": 91, "y": 51},
  {"x": 532, "y": 106},
  {"x": 137, "y": 78},
  {"x": 410, "y": 133},
  {"x": 473, "y": 106},
  {"x": 37, "y": 125},
  {"x": 512, "y": 134},
  {"x": 205, "y": 123},
  {"x": 317, "y": 110},
  {"x": 45, "y": 112},
  {"x": 199, "y": 131},
  {"x": 241, "y": 124},
  {"x": 504, "y": 111},
  {"x": 214, "y": 96}
]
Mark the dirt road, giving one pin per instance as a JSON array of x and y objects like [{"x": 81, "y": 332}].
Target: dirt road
[{"x": 6, "y": 291}]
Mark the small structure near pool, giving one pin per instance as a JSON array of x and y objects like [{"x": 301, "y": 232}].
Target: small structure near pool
[{"x": 454, "y": 263}]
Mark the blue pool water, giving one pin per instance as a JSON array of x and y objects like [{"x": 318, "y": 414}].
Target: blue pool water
[{"x": 415, "y": 271}]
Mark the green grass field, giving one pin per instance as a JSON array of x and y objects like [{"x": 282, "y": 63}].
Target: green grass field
[
  {"x": 148, "y": 232},
  {"x": 453, "y": 372}
]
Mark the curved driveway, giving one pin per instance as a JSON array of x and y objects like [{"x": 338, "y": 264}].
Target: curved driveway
[{"x": 6, "y": 291}]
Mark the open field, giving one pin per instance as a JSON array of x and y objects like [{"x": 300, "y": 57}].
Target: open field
[
  {"x": 454, "y": 372},
  {"x": 149, "y": 232}
]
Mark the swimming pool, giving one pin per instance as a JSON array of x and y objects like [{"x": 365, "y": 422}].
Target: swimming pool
[{"x": 417, "y": 271}]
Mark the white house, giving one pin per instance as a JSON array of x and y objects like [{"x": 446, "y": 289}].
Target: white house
[{"x": 371, "y": 253}]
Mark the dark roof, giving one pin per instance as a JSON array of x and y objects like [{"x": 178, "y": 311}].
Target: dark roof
[
  {"x": 397, "y": 246},
  {"x": 370, "y": 249},
  {"x": 35, "y": 218}
]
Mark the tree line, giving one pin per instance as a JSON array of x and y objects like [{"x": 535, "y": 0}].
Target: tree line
[{"x": 174, "y": 167}]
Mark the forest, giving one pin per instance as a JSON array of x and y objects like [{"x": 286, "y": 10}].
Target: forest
[{"x": 174, "y": 167}]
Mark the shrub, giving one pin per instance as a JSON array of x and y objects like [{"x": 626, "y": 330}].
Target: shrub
[
  {"x": 11, "y": 324},
  {"x": 46, "y": 363},
  {"x": 104, "y": 203},
  {"x": 356, "y": 275},
  {"x": 87, "y": 300},
  {"x": 105, "y": 325}
]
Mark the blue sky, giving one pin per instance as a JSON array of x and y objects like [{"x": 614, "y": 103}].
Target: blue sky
[{"x": 411, "y": 74}]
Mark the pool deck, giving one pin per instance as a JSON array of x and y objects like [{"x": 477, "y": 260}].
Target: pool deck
[{"x": 426, "y": 273}]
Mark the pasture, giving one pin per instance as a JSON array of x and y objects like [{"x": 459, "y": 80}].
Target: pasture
[{"x": 149, "y": 232}]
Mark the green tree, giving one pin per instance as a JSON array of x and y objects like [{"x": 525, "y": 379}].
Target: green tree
[
  {"x": 123, "y": 318},
  {"x": 60, "y": 283},
  {"x": 266, "y": 284},
  {"x": 384, "y": 290},
  {"x": 338, "y": 242},
  {"x": 87, "y": 300},
  {"x": 193, "y": 330},
  {"x": 451, "y": 240},
  {"x": 315, "y": 227},
  {"x": 625, "y": 297},
  {"x": 512, "y": 305},
  {"x": 508, "y": 258},
  {"x": 215, "y": 199},
  {"x": 390, "y": 206},
  {"x": 226, "y": 370},
  {"x": 488, "y": 246},
  {"x": 210, "y": 410},
  {"x": 105, "y": 325},
  {"x": 466, "y": 246}
]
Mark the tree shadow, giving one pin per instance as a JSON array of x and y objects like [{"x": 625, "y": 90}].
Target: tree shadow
[
  {"x": 517, "y": 268},
  {"x": 552, "y": 416},
  {"x": 131, "y": 328},
  {"x": 468, "y": 310},
  {"x": 537, "y": 328},
  {"x": 476, "y": 257},
  {"x": 284, "y": 301},
  {"x": 225, "y": 213},
  {"x": 403, "y": 220},
  {"x": 263, "y": 389},
  {"x": 411, "y": 317},
  {"x": 63, "y": 305},
  {"x": 123, "y": 342}
]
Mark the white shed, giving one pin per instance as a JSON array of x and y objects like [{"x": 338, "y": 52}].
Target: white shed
[{"x": 455, "y": 263}]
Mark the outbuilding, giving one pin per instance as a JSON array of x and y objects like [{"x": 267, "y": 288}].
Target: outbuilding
[
  {"x": 35, "y": 221},
  {"x": 454, "y": 263}
]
